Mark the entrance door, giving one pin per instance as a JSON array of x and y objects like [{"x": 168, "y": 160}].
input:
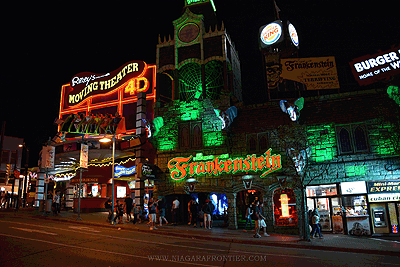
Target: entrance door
[
  {"x": 323, "y": 206},
  {"x": 337, "y": 218}
]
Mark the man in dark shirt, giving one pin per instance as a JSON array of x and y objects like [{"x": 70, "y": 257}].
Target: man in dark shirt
[
  {"x": 152, "y": 213},
  {"x": 128, "y": 207}
]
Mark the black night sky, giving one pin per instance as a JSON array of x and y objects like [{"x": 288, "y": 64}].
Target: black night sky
[{"x": 45, "y": 43}]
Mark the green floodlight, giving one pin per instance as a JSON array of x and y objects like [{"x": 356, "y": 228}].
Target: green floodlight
[{"x": 394, "y": 93}]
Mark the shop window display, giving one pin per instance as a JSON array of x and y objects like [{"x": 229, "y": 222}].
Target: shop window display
[
  {"x": 357, "y": 215},
  {"x": 285, "y": 211}
]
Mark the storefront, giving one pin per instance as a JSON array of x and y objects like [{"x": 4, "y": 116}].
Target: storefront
[
  {"x": 384, "y": 206},
  {"x": 355, "y": 208},
  {"x": 326, "y": 199}
]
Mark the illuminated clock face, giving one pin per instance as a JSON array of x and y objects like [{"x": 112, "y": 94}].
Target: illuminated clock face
[{"x": 188, "y": 32}]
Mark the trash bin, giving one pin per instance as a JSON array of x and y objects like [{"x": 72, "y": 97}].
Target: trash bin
[{"x": 49, "y": 203}]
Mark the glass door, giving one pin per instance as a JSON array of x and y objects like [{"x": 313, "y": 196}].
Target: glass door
[
  {"x": 337, "y": 215},
  {"x": 323, "y": 206}
]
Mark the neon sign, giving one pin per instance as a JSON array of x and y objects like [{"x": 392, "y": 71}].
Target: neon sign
[
  {"x": 181, "y": 167},
  {"x": 120, "y": 170},
  {"x": 293, "y": 34},
  {"x": 86, "y": 84}
]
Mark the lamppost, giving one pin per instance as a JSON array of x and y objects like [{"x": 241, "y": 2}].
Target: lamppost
[
  {"x": 107, "y": 140},
  {"x": 25, "y": 192}
]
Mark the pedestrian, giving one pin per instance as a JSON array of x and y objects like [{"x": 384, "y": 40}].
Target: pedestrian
[
  {"x": 161, "y": 207},
  {"x": 315, "y": 224},
  {"x": 201, "y": 217},
  {"x": 135, "y": 213},
  {"x": 263, "y": 219},
  {"x": 208, "y": 209},
  {"x": 108, "y": 206},
  {"x": 249, "y": 212},
  {"x": 57, "y": 203},
  {"x": 119, "y": 209},
  {"x": 3, "y": 199},
  {"x": 152, "y": 213},
  {"x": 128, "y": 208},
  {"x": 175, "y": 209},
  {"x": 257, "y": 219},
  {"x": 194, "y": 209},
  {"x": 189, "y": 212}
]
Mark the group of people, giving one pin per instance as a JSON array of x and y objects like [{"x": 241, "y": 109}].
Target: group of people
[
  {"x": 197, "y": 213},
  {"x": 255, "y": 212},
  {"x": 97, "y": 123}
]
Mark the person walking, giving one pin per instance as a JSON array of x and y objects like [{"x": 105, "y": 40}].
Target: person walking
[
  {"x": 128, "y": 208},
  {"x": 108, "y": 206},
  {"x": 161, "y": 207},
  {"x": 208, "y": 209},
  {"x": 248, "y": 214},
  {"x": 175, "y": 209},
  {"x": 263, "y": 224},
  {"x": 194, "y": 209},
  {"x": 315, "y": 224},
  {"x": 152, "y": 213},
  {"x": 57, "y": 203},
  {"x": 190, "y": 211},
  {"x": 119, "y": 208},
  {"x": 257, "y": 219}
]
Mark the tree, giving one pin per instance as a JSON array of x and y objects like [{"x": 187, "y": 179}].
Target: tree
[{"x": 293, "y": 140}]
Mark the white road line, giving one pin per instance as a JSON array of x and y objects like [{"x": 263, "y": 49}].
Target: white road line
[
  {"x": 99, "y": 250},
  {"x": 33, "y": 230},
  {"x": 84, "y": 228},
  {"x": 385, "y": 240}
]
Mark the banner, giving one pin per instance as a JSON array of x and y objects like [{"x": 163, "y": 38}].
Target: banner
[
  {"x": 317, "y": 73},
  {"x": 84, "y": 156},
  {"x": 47, "y": 157}
]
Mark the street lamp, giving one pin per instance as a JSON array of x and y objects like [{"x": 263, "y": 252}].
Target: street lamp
[
  {"x": 107, "y": 140},
  {"x": 25, "y": 192}
]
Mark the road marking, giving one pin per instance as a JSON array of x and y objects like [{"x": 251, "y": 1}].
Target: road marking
[
  {"x": 84, "y": 228},
  {"x": 33, "y": 230},
  {"x": 99, "y": 250},
  {"x": 385, "y": 240}
]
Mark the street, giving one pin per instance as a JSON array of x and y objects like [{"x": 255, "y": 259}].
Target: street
[{"x": 38, "y": 242}]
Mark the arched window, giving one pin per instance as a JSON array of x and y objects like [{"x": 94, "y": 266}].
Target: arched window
[
  {"x": 184, "y": 140},
  {"x": 252, "y": 144},
  {"x": 360, "y": 140},
  {"x": 345, "y": 141},
  {"x": 263, "y": 141},
  {"x": 197, "y": 136}
]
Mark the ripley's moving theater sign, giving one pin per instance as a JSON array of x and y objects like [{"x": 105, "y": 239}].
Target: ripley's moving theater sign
[{"x": 90, "y": 95}]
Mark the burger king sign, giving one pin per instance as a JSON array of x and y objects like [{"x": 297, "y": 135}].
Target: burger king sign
[{"x": 271, "y": 34}]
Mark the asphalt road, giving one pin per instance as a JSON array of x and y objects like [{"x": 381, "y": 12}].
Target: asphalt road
[{"x": 37, "y": 242}]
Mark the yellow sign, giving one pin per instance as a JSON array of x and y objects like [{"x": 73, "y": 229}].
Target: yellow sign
[{"x": 315, "y": 72}]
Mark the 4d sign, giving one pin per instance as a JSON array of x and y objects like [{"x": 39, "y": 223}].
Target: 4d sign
[{"x": 267, "y": 163}]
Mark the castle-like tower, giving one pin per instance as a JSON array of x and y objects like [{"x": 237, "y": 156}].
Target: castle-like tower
[{"x": 199, "y": 61}]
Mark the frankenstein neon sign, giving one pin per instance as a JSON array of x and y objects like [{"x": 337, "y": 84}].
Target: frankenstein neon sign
[{"x": 181, "y": 167}]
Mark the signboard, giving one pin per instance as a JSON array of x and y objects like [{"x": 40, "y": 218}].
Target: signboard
[
  {"x": 84, "y": 156},
  {"x": 271, "y": 34},
  {"x": 351, "y": 188},
  {"x": 316, "y": 72},
  {"x": 181, "y": 167},
  {"x": 123, "y": 171},
  {"x": 389, "y": 186},
  {"x": 86, "y": 84},
  {"x": 372, "y": 68},
  {"x": 293, "y": 34},
  {"x": 47, "y": 157}
]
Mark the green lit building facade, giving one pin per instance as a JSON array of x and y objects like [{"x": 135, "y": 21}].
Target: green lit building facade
[{"x": 343, "y": 152}]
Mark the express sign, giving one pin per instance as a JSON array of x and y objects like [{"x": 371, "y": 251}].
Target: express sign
[{"x": 369, "y": 69}]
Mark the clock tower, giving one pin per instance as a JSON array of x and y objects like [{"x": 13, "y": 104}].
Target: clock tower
[{"x": 199, "y": 61}]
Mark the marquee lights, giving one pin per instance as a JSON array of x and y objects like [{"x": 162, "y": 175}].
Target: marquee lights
[{"x": 181, "y": 167}]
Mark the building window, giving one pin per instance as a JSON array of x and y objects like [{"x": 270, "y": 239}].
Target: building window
[
  {"x": 190, "y": 135},
  {"x": 352, "y": 139},
  {"x": 257, "y": 143}
]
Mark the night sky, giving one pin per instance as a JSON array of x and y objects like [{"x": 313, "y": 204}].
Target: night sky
[{"x": 44, "y": 45}]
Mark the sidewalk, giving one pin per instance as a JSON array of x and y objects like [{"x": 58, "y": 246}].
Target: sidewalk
[{"x": 332, "y": 242}]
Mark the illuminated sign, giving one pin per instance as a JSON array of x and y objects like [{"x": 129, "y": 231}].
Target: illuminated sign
[
  {"x": 181, "y": 167},
  {"x": 384, "y": 187},
  {"x": 369, "y": 69},
  {"x": 315, "y": 72},
  {"x": 193, "y": 2},
  {"x": 123, "y": 171},
  {"x": 271, "y": 34},
  {"x": 293, "y": 34},
  {"x": 88, "y": 84}
]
